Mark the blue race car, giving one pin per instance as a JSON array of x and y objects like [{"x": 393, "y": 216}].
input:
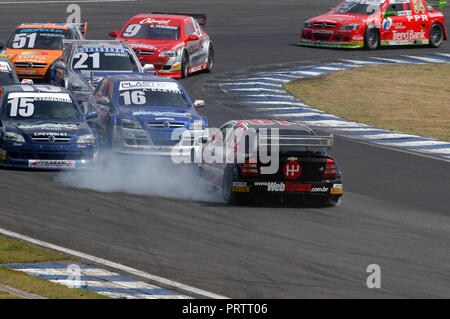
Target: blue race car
[
  {"x": 141, "y": 114},
  {"x": 43, "y": 127}
]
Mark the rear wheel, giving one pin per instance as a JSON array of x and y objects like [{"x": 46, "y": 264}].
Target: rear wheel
[
  {"x": 227, "y": 186},
  {"x": 371, "y": 39},
  {"x": 436, "y": 35},
  {"x": 210, "y": 59},
  {"x": 331, "y": 201},
  {"x": 184, "y": 65}
]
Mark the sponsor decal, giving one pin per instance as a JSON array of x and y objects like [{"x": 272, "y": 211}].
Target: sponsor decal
[
  {"x": 155, "y": 21},
  {"x": 50, "y": 133},
  {"x": 175, "y": 114},
  {"x": 240, "y": 187},
  {"x": 293, "y": 187},
  {"x": 150, "y": 85},
  {"x": 4, "y": 67},
  {"x": 2, "y": 154},
  {"x": 417, "y": 17},
  {"x": 409, "y": 35},
  {"x": 51, "y": 163},
  {"x": 292, "y": 170},
  {"x": 49, "y": 126},
  {"x": 336, "y": 189},
  {"x": 387, "y": 24}
]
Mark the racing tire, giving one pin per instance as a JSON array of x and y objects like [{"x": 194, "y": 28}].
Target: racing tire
[
  {"x": 436, "y": 35},
  {"x": 227, "y": 186},
  {"x": 210, "y": 67},
  {"x": 184, "y": 65},
  {"x": 371, "y": 39},
  {"x": 331, "y": 201}
]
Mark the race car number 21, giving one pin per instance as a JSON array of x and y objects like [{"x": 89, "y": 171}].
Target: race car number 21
[{"x": 21, "y": 106}]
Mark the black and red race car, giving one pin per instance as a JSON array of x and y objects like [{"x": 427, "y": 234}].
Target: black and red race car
[
  {"x": 374, "y": 23},
  {"x": 271, "y": 159}
]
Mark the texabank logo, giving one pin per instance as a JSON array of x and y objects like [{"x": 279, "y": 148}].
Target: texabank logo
[{"x": 387, "y": 24}]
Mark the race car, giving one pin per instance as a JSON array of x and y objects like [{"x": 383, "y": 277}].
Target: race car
[
  {"x": 264, "y": 159},
  {"x": 174, "y": 43},
  {"x": 374, "y": 23},
  {"x": 43, "y": 127},
  {"x": 141, "y": 114},
  {"x": 85, "y": 62},
  {"x": 8, "y": 75},
  {"x": 33, "y": 47}
]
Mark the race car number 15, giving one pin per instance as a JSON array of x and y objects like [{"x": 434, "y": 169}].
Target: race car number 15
[{"x": 21, "y": 106}]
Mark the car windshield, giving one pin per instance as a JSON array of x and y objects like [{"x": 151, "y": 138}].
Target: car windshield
[
  {"x": 41, "y": 106},
  {"x": 149, "y": 93},
  {"x": 103, "y": 61},
  {"x": 42, "y": 39},
  {"x": 6, "y": 78},
  {"x": 359, "y": 7},
  {"x": 152, "y": 31}
]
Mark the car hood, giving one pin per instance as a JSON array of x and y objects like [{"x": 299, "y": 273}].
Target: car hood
[
  {"x": 154, "y": 45},
  {"x": 35, "y": 128},
  {"x": 339, "y": 18},
  {"x": 33, "y": 56},
  {"x": 159, "y": 115}
]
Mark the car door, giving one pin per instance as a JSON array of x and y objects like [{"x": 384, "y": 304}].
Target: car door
[
  {"x": 192, "y": 46},
  {"x": 420, "y": 21},
  {"x": 395, "y": 27}
]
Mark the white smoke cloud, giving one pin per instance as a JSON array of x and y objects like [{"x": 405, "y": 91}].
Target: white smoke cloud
[{"x": 141, "y": 175}]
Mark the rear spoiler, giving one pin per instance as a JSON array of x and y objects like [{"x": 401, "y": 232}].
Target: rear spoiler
[
  {"x": 439, "y": 4},
  {"x": 299, "y": 140},
  {"x": 200, "y": 17},
  {"x": 66, "y": 42}
]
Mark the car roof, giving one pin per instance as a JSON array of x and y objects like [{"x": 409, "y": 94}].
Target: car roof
[
  {"x": 98, "y": 45},
  {"x": 178, "y": 19},
  {"x": 33, "y": 88}
]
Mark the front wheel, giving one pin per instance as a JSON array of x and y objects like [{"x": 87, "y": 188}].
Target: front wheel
[
  {"x": 227, "y": 186},
  {"x": 436, "y": 35},
  {"x": 371, "y": 39},
  {"x": 184, "y": 65}
]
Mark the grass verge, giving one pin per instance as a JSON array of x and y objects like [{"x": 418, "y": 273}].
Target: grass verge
[
  {"x": 16, "y": 251},
  {"x": 412, "y": 99}
]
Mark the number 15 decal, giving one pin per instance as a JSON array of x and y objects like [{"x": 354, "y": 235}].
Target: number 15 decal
[{"x": 21, "y": 106}]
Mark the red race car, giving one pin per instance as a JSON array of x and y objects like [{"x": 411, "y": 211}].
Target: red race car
[
  {"x": 374, "y": 23},
  {"x": 174, "y": 43}
]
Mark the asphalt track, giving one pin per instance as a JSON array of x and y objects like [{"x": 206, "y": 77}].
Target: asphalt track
[{"x": 395, "y": 211}]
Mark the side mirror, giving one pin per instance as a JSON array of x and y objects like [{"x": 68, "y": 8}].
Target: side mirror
[
  {"x": 60, "y": 66},
  {"x": 148, "y": 67},
  {"x": 199, "y": 103},
  {"x": 27, "y": 81},
  {"x": 389, "y": 14},
  {"x": 113, "y": 34},
  {"x": 192, "y": 37},
  {"x": 91, "y": 115}
]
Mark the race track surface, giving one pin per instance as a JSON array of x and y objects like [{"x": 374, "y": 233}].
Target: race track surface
[{"x": 394, "y": 213}]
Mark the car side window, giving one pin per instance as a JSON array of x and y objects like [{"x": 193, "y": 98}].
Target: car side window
[
  {"x": 188, "y": 29},
  {"x": 196, "y": 27},
  {"x": 395, "y": 7}
]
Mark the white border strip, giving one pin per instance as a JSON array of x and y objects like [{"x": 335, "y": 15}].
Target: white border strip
[{"x": 161, "y": 280}]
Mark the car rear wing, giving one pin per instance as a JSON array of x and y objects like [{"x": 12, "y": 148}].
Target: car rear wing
[
  {"x": 200, "y": 17},
  {"x": 439, "y": 4},
  {"x": 298, "y": 141}
]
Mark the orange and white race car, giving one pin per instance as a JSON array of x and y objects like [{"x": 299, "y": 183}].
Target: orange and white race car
[{"x": 33, "y": 47}]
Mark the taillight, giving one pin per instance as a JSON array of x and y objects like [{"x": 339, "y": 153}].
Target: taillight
[
  {"x": 250, "y": 167},
  {"x": 330, "y": 169}
]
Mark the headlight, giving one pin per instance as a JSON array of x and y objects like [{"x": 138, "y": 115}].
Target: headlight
[
  {"x": 86, "y": 139},
  {"x": 170, "y": 53},
  {"x": 13, "y": 137},
  {"x": 307, "y": 24},
  {"x": 126, "y": 123},
  {"x": 350, "y": 26}
]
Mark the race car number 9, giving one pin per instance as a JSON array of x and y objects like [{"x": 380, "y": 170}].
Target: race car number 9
[
  {"x": 131, "y": 30},
  {"x": 21, "y": 106}
]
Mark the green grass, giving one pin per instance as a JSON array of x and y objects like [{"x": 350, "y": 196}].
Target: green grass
[{"x": 412, "y": 99}]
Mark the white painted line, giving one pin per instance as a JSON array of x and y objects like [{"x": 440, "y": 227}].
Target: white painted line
[
  {"x": 330, "y": 68},
  {"x": 311, "y": 73},
  {"x": 419, "y": 143},
  {"x": 360, "y": 62},
  {"x": 333, "y": 123},
  {"x": 277, "y": 102},
  {"x": 444, "y": 54},
  {"x": 251, "y": 83},
  {"x": 436, "y": 150},
  {"x": 304, "y": 114},
  {"x": 385, "y": 136},
  {"x": 257, "y": 90},
  {"x": 269, "y": 79},
  {"x": 392, "y": 60},
  {"x": 422, "y": 58},
  {"x": 278, "y": 108},
  {"x": 107, "y": 263}
]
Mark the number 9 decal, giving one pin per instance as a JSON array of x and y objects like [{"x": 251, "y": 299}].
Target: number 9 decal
[{"x": 131, "y": 30}]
